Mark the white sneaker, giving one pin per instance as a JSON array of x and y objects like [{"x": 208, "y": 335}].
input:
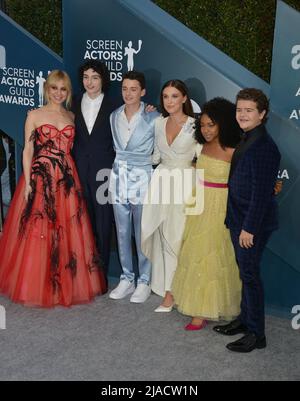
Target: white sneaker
[
  {"x": 123, "y": 289},
  {"x": 141, "y": 294}
]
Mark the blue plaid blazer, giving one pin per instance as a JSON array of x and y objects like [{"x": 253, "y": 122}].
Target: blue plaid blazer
[{"x": 251, "y": 200}]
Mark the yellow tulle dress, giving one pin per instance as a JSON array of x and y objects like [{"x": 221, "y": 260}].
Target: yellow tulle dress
[{"x": 207, "y": 283}]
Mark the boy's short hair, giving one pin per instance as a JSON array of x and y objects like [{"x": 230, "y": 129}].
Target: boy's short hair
[
  {"x": 100, "y": 68},
  {"x": 257, "y": 96},
  {"x": 137, "y": 76}
]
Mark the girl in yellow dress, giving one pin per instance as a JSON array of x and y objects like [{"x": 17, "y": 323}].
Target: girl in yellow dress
[{"x": 206, "y": 285}]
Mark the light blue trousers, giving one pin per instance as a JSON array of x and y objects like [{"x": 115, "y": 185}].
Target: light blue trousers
[{"x": 125, "y": 214}]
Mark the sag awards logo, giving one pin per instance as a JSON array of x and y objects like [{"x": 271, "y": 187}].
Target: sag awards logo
[
  {"x": 295, "y": 115},
  {"x": 2, "y": 57},
  {"x": 20, "y": 86},
  {"x": 116, "y": 54}
]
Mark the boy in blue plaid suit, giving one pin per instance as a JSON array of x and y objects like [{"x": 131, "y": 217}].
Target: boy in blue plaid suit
[{"x": 251, "y": 214}]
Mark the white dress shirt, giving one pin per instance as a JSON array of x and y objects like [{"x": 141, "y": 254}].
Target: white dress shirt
[
  {"x": 90, "y": 109},
  {"x": 126, "y": 127}
]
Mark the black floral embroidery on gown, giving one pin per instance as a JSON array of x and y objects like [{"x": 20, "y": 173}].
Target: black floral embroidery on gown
[{"x": 52, "y": 168}]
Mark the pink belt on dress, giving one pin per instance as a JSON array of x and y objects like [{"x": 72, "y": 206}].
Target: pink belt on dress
[{"x": 213, "y": 184}]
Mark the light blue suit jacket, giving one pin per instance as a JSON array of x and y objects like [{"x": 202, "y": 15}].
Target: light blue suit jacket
[{"x": 132, "y": 167}]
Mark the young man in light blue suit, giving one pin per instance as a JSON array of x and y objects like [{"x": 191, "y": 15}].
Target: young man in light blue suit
[{"x": 133, "y": 135}]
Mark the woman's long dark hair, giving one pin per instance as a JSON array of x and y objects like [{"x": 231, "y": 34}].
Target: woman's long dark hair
[
  {"x": 181, "y": 86},
  {"x": 222, "y": 112}
]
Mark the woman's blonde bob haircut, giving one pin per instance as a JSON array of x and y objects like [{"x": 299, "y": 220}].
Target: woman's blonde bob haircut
[{"x": 53, "y": 78}]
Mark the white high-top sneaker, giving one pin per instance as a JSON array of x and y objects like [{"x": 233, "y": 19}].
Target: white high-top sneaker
[{"x": 123, "y": 289}]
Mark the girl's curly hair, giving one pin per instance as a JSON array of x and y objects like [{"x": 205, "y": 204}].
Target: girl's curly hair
[{"x": 222, "y": 112}]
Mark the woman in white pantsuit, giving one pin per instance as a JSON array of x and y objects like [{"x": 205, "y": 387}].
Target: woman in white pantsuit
[{"x": 163, "y": 217}]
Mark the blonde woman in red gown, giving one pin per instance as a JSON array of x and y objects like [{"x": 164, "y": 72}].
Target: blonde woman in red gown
[{"x": 48, "y": 255}]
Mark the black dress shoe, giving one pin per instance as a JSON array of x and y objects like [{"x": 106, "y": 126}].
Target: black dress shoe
[
  {"x": 248, "y": 343},
  {"x": 231, "y": 329}
]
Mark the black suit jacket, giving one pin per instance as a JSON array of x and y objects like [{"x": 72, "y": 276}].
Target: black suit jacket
[
  {"x": 3, "y": 161},
  {"x": 251, "y": 200},
  {"x": 94, "y": 151}
]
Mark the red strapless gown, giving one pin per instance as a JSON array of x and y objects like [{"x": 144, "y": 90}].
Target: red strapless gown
[{"x": 47, "y": 252}]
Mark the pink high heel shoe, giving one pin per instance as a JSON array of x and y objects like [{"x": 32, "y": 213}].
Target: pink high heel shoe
[{"x": 194, "y": 327}]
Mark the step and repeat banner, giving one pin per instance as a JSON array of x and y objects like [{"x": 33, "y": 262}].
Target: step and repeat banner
[
  {"x": 24, "y": 65},
  {"x": 138, "y": 35},
  {"x": 127, "y": 34},
  {"x": 130, "y": 34},
  {"x": 285, "y": 82},
  {"x": 284, "y": 263}
]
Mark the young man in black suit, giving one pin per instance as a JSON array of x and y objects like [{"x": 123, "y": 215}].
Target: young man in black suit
[
  {"x": 93, "y": 149},
  {"x": 251, "y": 215}
]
